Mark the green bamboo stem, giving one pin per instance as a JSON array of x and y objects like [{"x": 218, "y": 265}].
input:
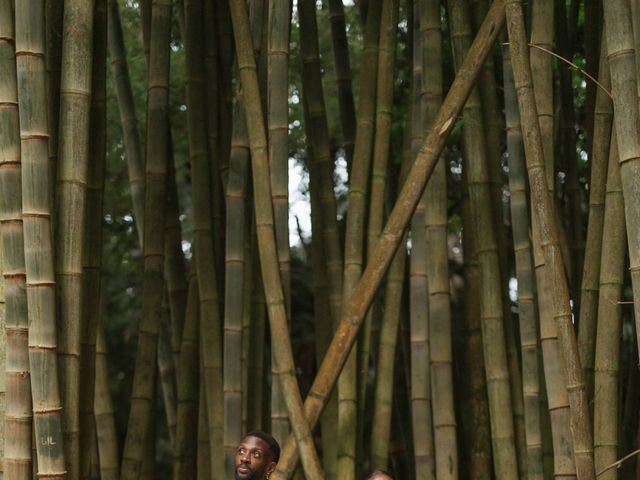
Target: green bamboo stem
[
  {"x": 18, "y": 415},
  {"x": 250, "y": 245},
  {"x": 593, "y": 47},
  {"x": 71, "y": 185},
  {"x": 266, "y": 239},
  {"x": 603, "y": 119},
  {"x": 104, "y": 415},
  {"x": 36, "y": 212},
  {"x": 524, "y": 273},
  {"x": 155, "y": 198},
  {"x": 203, "y": 462},
  {"x": 606, "y": 407},
  {"x": 256, "y": 367},
  {"x": 3, "y": 359},
  {"x": 492, "y": 320},
  {"x": 128, "y": 118},
  {"x": 426, "y": 40},
  {"x": 543, "y": 203},
  {"x": 167, "y": 372},
  {"x": 620, "y": 52},
  {"x": 408, "y": 198},
  {"x": 92, "y": 248},
  {"x": 343, "y": 77},
  {"x": 226, "y": 49},
  {"x": 185, "y": 447}
]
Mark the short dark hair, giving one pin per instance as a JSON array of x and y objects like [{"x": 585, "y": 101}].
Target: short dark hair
[
  {"x": 376, "y": 472},
  {"x": 269, "y": 440}
]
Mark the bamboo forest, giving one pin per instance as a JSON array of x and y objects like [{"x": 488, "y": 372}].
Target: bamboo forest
[{"x": 399, "y": 236}]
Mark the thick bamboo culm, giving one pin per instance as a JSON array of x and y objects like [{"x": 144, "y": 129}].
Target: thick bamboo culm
[
  {"x": 540, "y": 198},
  {"x": 620, "y": 52},
  {"x": 527, "y": 312},
  {"x": 356, "y": 308},
  {"x": 256, "y": 364},
  {"x": 603, "y": 119},
  {"x": 606, "y": 406},
  {"x": 92, "y": 248},
  {"x": 39, "y": 262},
  {"x": 266, "y": 240},
  {"x": 343, "y": 77},
  {"x": 491, "y": 311},
  {"x": 167, "y": 372},
  {"x": 71, "y": 185},
  {"x": 421, "y": 415},
  {"x": 18, "y": 415},
  {"x": 144, "y": 382}
]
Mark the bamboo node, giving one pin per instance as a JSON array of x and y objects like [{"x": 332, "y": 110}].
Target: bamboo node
[{"x": 44, "y": 411}]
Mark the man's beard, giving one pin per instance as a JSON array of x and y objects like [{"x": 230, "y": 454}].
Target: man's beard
[{"x": 251, "y": 475}]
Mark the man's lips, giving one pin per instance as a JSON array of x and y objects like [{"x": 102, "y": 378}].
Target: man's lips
[{"x": 243, "y": 469}]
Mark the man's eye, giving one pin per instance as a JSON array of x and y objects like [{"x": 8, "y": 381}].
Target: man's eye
[{"x": 256, "y": 454}]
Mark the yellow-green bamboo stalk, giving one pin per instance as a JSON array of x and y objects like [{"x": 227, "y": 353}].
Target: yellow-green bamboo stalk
[
  {"x": 184, "y": 452},
  {"x": 343, "y": 77},
  {"x": 36, "y": 212},
  {"x": 408, "y": 198},
  {"x": 144, "y": 382},
  {"x": 250, "y": 245},
  {"x": 425, "y": 35},
  {"x": 18, "y": 414},
  {"x": 620, "y": 50},
  {"x": 104, "y": 415},
  {"x": 603, "y": 118},
  {"x": 543, "y": 203},
  {"x": 491, "y": 311},
  {"x": 92, "y": 248},
  {"x": 524, "y": 273},
  {"x": 128, "y": 118},
  {"x": 3, "y": 359},
  {"x": 606, "y": 407},
  {"x": 266, "y": 239}
]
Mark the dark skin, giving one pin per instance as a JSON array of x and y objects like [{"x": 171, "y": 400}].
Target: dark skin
[
  {"x": 380, "y": 476},
  {"x": 254, "y": 459}
]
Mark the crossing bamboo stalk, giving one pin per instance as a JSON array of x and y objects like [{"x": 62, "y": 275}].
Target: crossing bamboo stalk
[
  {"x": 144, "y": 381},
  {"x": 71, "y": 186},
  {"x": 104, "y": 414},
  {"x": 18, "y": 414},
  {"x": 543, "y": 203},
  {"x": 620, "y": 53},
  {"x": 92, "y": 247},
  {"x": 408, "y": 198},
  {"x": 266, "y": 239},
  {"x": 606, "y": 407},
  {"x": 39, "y": 262}
]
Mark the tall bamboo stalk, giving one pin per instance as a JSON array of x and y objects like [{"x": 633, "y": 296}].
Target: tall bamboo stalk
[
  {"x": 92, "y": 248},
  {"x": 256, "y": 367},
  {"x": 491, "y": 312},
  {"x": 543, "y": 202},
  {"x": 155, "y": 198},
  {"x": 266, "y": 239},
  {"x": 36, "y": 211},
  {"x": 343, "y": 77},
  {"x": 620, "y": 50},
  {"x": 18, "y": 415},
  {"x": 524, "y": 273},
  {"x": 408, "y": 198},
  {"x": 203, "y": 462},
  {"x": 104, "y": 415},
  {"x": 426, "y": 40},
  {"x": 71, "y": 185},
  {"x": 603, "y": 119},
  {"x": 606, "y": 406}
]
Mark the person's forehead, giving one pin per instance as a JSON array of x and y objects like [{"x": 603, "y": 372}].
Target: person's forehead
[{"x": 254, "y": 442}]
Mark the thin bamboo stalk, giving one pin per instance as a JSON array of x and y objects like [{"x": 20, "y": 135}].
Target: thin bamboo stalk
[
  {"x": 524, "y": 273},
  {"x": 603, "y": 119},
  {"x": 540, "y": 198},
  {"x": 256, "y": 367},
  {"x": 71, "y": 186},
  {"x": 203, "y": 462},
  {"x": 104, "y": 415},
  {"x": 408, "y": 198},
  {"x": 491, "y": 312},
  {"x": 226, "y": 49},
  {"x": 593, "y": 28},
  {"x": 144, "y": 381},
  {"x": 92, "y": 248},
  {"x": 18, "y": 414},
  {"x": 606, "y": 406},
  {"x": 36, "y": 212},
  {"x": 167, "y": 372},
  {"x": 620, "y": 53},
  {"x": 426, "y": 51},
  {"x": 266, "y": 239},
  {"x": 343, "y": 77}
]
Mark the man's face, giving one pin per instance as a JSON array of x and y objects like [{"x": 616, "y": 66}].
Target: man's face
[
  {"x": 380, "y": 476},
  {"x": 253, "y": 459}
]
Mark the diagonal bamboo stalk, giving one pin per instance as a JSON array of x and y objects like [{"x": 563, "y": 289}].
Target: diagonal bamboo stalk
[
  {"x": 400, "y": 216},
  {"x": 540, "y": 198},
  {"x": 266, "y": 239}
]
